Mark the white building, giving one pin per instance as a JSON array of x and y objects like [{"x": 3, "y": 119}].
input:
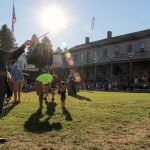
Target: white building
[
  {"x": 57, "y": 60},
  {"x": 22, "y": 61}
]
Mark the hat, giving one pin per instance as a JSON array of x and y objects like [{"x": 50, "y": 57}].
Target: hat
[{"x": 62, "y": 82}]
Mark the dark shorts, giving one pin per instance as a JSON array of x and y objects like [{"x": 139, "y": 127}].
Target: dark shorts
[
  {"x": 3, "y": 83},
  {"x": 63, "y": 97}
]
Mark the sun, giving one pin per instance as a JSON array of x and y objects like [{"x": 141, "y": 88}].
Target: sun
[{"x": 54, "y": 19}]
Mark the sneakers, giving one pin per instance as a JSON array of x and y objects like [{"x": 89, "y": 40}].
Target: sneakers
[
  {"x": 7, "y": 100},
  {"x": 45, "y": 99},
  {"x": 16, "y": 102}
]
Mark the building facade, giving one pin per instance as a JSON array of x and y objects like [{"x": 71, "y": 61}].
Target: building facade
[
  {"x": 22, "y": 61},
  {"x": 115, "y": 60}
]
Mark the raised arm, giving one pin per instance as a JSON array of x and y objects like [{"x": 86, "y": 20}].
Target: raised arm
[{"x": 15, "y": 54}]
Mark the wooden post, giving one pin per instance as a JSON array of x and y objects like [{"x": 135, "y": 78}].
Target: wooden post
[
  {"x": 95, "y": 74},
  {"x": 111, "y": 72},
  {"x": 130, "y": 73}
]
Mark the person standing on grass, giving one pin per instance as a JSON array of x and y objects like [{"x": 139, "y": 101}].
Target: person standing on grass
[
  {"x": 40, "y": 82},
  {"x": 71, "y": 84},
  {"x": 4, "y": 56},
  {"x": 62, "y": 92},
  {"x": 53, "y": 83},
  {"x": 17, "y": 76}
]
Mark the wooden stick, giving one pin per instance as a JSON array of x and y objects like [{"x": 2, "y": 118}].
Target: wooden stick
[{"x": 43, "y": 35}]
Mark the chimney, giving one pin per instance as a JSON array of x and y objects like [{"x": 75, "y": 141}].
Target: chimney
[
  {"x": 87, "y": 40},
  {"x": 109, "y": 34}
]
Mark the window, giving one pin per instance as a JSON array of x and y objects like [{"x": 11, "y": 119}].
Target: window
[
  {"x": 95, "y": 54},
  {"x": 142, "y": 47},
  {"x": 81, "y": 57},
  {"x": 129, "y": 48},
  {"x": 75, "y": 57},
  {"x": 116, "y": 51},
  {"x": 105, "y": 52}
]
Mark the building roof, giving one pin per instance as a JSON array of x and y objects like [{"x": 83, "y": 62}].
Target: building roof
[{"x": 113, "y": 40}]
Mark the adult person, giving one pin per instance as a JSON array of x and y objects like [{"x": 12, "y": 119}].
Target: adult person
[
  {"x": 85, "y": 82},
  {"x": 145, "y": 77},
  {"x": 40, "y": 82},
  {"x": 17, "y": 76},
  {"x": 135, "y": 82},
  {"x": 71, "y": 84},
  {"x": 4, "y": 56}
]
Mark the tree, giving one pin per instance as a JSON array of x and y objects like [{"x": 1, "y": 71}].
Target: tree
[
  {"x": 58, "y": 50},
  {"x": 34, "y": 57},
  {"x": 0, "y": 41},
  {"x": 47, "y": 52},
  {"x": 35, "y": 40},
  {"x": 7, "y": 40},
  {"x": 47, "y": 41},
  {"x": 40, "y": 53}
]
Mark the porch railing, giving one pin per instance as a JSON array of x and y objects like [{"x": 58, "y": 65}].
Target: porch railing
[{"x": 121, "y": 57}]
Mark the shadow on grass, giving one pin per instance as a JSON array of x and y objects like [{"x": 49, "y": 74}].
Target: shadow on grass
[
  {"x": 67, "y": 114},
  {"x": 7, "y": 108},
  {"x": 50, "y": 108},
  {"x": 35, "y": 125},
  {"x": 82, "y": 98}
]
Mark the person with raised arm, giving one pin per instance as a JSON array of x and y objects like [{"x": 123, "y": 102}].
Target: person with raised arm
[{"x": 4, "y": 57}]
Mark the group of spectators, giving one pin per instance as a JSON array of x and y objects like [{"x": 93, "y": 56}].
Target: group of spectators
[
  {"x": 28, "y": 84},
  {"x": 11, "y": 84},
  {"x": 4, "y": 85},
  {"x": 49, "y": 82},
  {"x": 46, "y": 82}
]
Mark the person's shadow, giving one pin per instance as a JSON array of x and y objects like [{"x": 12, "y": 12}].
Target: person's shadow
[
  {"x": 35, "y": 125},
  {"x": 82, "y": 98},
  {"x": 67, "y": 114},
  {"x": 7, "y": 108},
  {"x": 50, "y": 108}
]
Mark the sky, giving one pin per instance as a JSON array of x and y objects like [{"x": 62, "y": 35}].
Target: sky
[{"x": 119, "y": 16}]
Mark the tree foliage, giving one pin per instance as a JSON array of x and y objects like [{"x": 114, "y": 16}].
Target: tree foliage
[
  {"x": 7, "y": 40},
  {"x": 40, "y": 53}
]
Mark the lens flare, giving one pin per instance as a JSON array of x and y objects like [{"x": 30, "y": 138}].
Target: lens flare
[
  {"x": 64, "y": 45},
  {"x": 68, "y": 55},
  {"x": 71, "y": 62}
]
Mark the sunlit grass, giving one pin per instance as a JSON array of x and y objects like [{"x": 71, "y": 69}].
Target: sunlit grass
[{"x": 93, "y": 120}]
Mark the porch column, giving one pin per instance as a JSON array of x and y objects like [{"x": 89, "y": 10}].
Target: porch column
[
  {"x": 95, "y": 74},
  {"x": 111, "y": 72},
  {"x": 130, "y": 73}
]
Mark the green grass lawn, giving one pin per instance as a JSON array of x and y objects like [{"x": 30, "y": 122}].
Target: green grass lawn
[{"x": 93, "y": 120}]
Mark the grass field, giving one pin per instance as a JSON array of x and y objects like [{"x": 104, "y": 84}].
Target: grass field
[{"x": 92, "y": 121}]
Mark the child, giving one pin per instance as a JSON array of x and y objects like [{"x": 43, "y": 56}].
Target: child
[
  {"x": 62, "y": 92},
  {"x": 53, "y": 83}
]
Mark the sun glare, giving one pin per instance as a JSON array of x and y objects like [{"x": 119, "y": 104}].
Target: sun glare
[{"x": 54, "y": 19}]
